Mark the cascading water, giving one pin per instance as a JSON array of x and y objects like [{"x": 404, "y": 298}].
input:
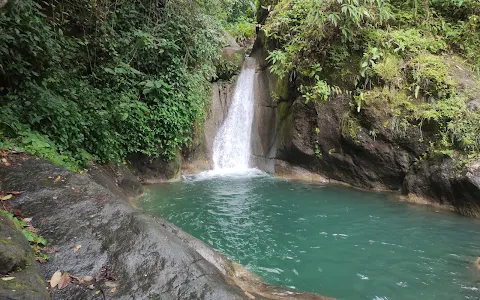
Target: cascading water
[{"x": 232, "y": 145}]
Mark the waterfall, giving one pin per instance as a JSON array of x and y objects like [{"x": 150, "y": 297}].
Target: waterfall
[{"x": 232, "y": 144}]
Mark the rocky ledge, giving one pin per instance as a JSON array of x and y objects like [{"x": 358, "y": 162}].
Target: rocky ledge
[{"x": 126, "y": 254}]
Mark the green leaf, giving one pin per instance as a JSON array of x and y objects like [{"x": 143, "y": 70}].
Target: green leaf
[
  {"x": 30, "y": 236},
  {"x": 41, "y": 241}
]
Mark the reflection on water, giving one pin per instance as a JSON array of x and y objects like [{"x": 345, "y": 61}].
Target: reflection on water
[{"x": 339, "y": 242}]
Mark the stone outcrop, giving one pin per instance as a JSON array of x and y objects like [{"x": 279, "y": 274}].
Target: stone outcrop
[
  {"x": 150, "y": 170},
  {"x": 129, "y": 254},
  {"x": 234, "y": 54},
  {"x": 199, "y": 155},
  {"x": 442, "y": 183},
  {"x": 264, "y": 119}
]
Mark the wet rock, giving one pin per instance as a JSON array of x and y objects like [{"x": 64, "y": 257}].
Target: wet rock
[
  {"x": 28, "y": 284},
  {"x": 154, "y": 170},
  {"x": 117, "y": 178},
  {"x": 264, "y": 121},
  {"x": 285, "y": 170},
  {"x": 442, "y": 182},
  {"x": 198, "y": 156}
]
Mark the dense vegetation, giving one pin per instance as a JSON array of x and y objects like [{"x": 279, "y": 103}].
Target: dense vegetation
[
  {"x": 396, "y": 57},
  {"x": 84, "y": 81}
]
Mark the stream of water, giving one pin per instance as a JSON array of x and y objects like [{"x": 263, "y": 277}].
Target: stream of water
[{"x": 232, "y": 145}]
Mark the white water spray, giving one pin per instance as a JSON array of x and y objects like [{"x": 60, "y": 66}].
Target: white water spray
[{"x": 232, "y": 145}]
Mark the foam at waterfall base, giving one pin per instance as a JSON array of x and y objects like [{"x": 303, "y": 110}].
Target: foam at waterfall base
[{"x": 226, "y": 173}]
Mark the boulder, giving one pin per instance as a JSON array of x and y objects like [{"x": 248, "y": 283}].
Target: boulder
[
  {"x": 234, "y": 54},
  {"x": 442, "y": 182},
  {"x": 152, "y": 170},
  {"x": 117, "y": 178},
  {"x": 14, "y": 248}
]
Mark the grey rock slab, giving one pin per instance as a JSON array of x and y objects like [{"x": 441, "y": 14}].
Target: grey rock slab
[{"x": 146, "y": 260}]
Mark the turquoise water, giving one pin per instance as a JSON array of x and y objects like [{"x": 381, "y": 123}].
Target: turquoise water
[{"x": 334, "y": 241}]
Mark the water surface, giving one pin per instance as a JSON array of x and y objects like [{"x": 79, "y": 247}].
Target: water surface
[{"x": 334, "y": 241}]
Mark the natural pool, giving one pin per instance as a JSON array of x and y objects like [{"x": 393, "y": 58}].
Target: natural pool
[{"x": 339, "y": 242}]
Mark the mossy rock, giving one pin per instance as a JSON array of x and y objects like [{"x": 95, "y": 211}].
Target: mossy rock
[
  {"x": 465, "y": 80},
  {"x": 13, "y": 247},
  {"x": 230, "y": 62},
  {"x": 18, "y": 263}
]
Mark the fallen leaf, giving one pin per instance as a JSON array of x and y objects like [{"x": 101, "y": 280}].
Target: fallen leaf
[
  {"x": 7, "y": 278},
  {"x": 55, "y": 279},
  {"x": 57, "y": 179},
  {"x": 4, "y": 160},
  {"x": 77, "y": 247},
  {"x": 64, "y": 281},
  {"x": 113, "y": 290},
  {"x": 31, "y": 229},
  {"x": 87, "y": 279},
  {"x": 97, "y": 292},
  {"x": 250, "y": 296},
  {"x": 7, "y": 164},
  {"x": 41, "y": 260},
  {"x": 49, "y": 250},
  {"x": 110, "y": 284},
  {"x": 6, "y": 197},
  {"x": 14, "y": 193},
  {"x": 27, "y": 220}
]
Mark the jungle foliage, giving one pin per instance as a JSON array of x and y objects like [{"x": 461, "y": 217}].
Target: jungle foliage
[
  {"x": 84, "y": 80},
  {"x": 399, "y": 54}
]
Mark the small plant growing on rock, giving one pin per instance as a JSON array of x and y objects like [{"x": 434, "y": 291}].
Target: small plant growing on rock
[{"x": 37, "y": 242}]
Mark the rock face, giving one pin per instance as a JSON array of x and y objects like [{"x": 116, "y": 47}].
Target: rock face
[
  {"x": 118, "y": 179},
  {"x": 442, "y": 183},
  {"x": 199, "y": 156},
  {"x": 151, "y": 170},
  {"x": 315, "y": 140},
  {"x": 264, "y": 119},
  {"x": 129, "y": 254}
]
